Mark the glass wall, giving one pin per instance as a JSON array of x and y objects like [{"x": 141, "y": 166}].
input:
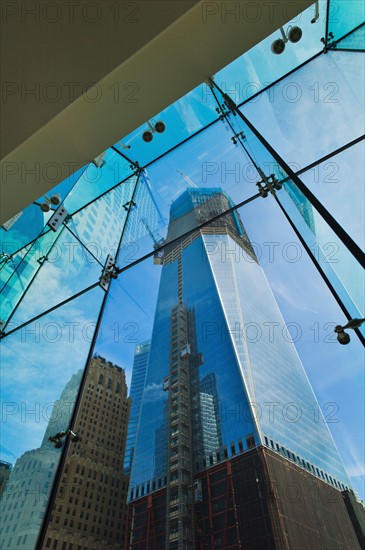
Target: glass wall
[{"x": 292, "y": 170}]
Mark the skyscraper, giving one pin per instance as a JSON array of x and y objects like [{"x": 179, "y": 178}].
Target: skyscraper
[
  {"x": 222, "y": 385},
  {"x": 141, "y": 355},
  {"x": 25, "y": 496},
  {"x": 90, "y": 505},
  {"x": 89, "y": 510}
]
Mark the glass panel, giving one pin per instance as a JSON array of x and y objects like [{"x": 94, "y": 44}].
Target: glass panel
[
  {"x": 355, "y": 41},
  {"x": 96, "y": 180},
  {"x": 63, "y": 188},
  {"x": 208, "y": 160},
  {"x": 217, "y": 295},
  {"x": 28, "y": 227},
  {"x": 339, "y": 184},
  {"x": 182, "y": 119},
  {"x": 343, "y": 271},
  {"x": 69, "y": 269},
  {"x": 329, "y": 90},
  {"x": 310, "y": 314},
  {"x": 42, "y": 368},
  {"x": 344, "y": 17},
  {"x": 99, "y": 226},
  {"x": 33, "y": 219},
  {"x": 259, "y": 67},
  {"x": 18, "y": 273}
]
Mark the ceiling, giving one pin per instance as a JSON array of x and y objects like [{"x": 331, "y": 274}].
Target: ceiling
[{"x": 79, "y": 75}]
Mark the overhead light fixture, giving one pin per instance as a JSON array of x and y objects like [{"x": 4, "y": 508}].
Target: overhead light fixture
[
  {"x": 293, "y": 35},
  {"x": 158, "y": 127},
  {"x": 54, "y": 200},
  {"x": 342, "y": 336},
  {"x": 99, "y": 161},
  {"x": 316, "y": 13}
]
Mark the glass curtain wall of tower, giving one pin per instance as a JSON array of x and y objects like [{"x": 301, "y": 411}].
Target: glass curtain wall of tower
[
  {"x": 243, "y": 387},
  {"x": 251, "y": 389}
]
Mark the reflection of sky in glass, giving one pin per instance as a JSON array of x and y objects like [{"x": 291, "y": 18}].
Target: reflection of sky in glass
[
  {"x": 40, "y": 360},
  {"x": 258, "y": 67},
  {"x": 344, "y": 16},
  {"x": 182, "y": 119},
  {"x": 339, "y": 184},
  {"x": 329, "y": 91},
  {"x": 302, "y": 131},
  {"x": 356, "y": 40}
]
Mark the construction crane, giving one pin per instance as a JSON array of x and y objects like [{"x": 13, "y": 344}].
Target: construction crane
[{"x": 158, "y": 256}]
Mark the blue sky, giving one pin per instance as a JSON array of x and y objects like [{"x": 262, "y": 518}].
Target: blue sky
[{"x": 37, "y": 365}]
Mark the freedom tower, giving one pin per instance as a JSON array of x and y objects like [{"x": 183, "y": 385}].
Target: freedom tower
[{"x": 231, "y": 450}]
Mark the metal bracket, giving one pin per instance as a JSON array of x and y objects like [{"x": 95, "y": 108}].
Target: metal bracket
[
  {"x": 271, "y": 185},
  {"x": 129, "y": 205},
  {"x": 223, "y": 114},
  {"x": 58, "y": 218},
  {"x": 110, "y": 271},
  {"x": 328, "y": 43},
  {"x": 240, "y": 135},
  {"x": 59, "y": 438},
  {"x": 42, "y": 260},
  {"x": 8, "y": 224}
]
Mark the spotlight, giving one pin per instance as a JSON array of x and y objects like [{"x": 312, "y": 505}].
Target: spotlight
[
  {"x": 160, "y": 127},
  {"x": 342, "y": 336},
  {"x": 99, "y": 161},
  {"x": 55, "y": 199},
  {"x": 316, "y": 14},
  {"x": 278, "y": 46},
  {"x": 147, "y": 136},
  {"x": 295, "y": 34}
]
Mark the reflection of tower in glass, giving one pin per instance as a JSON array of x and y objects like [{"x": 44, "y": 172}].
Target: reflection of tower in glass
[
  {"x": 24, "y": 500},
  {"x": 218, "y": 383},
  {"x": 89, "y": 506},
  {"x": 210, "y": 423},
  {"x": 141, "y": 355}
]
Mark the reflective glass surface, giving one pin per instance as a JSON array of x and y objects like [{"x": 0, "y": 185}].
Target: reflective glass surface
[
  {"x": 63, "y": 188},
  {"x": 208, "y": 158},
  {"x": 68, "y": 269},
  {"x": 27, "y": 228},
  {"x": 18, "y": 272},
  {"x": 44, "y": 364},
  {"x": 182, "y": 119},
  {"x": 100, "y": 225},
  {"x": 344, "y": 272},
  {"x": 95, "y": 180},
  {"x": 339, "y": 184},
  {"x": 214, "y": 312},
  {"x": 259, "y": 67},
  {"x": 344, "y": 17},
  {"x": 329, "y": 90},
  {"x": 355, "y": 40},
  {"x": 209, "y": 283}
]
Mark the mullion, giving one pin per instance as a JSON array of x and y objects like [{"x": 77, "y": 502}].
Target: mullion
[
  {"x": 82, "y": 244},
  {"x": 329, "y": 219},
  {"x": 55, "y": 484},
  {"x": 32, "y": 279},
  {"x": 318, "y": 266}
]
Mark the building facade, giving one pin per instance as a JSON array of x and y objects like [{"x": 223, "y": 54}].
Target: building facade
[
  {"x": 90, "y": 505},
  {"x": 141, "y": 356},
  {"x": 220, "y": 382}
]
